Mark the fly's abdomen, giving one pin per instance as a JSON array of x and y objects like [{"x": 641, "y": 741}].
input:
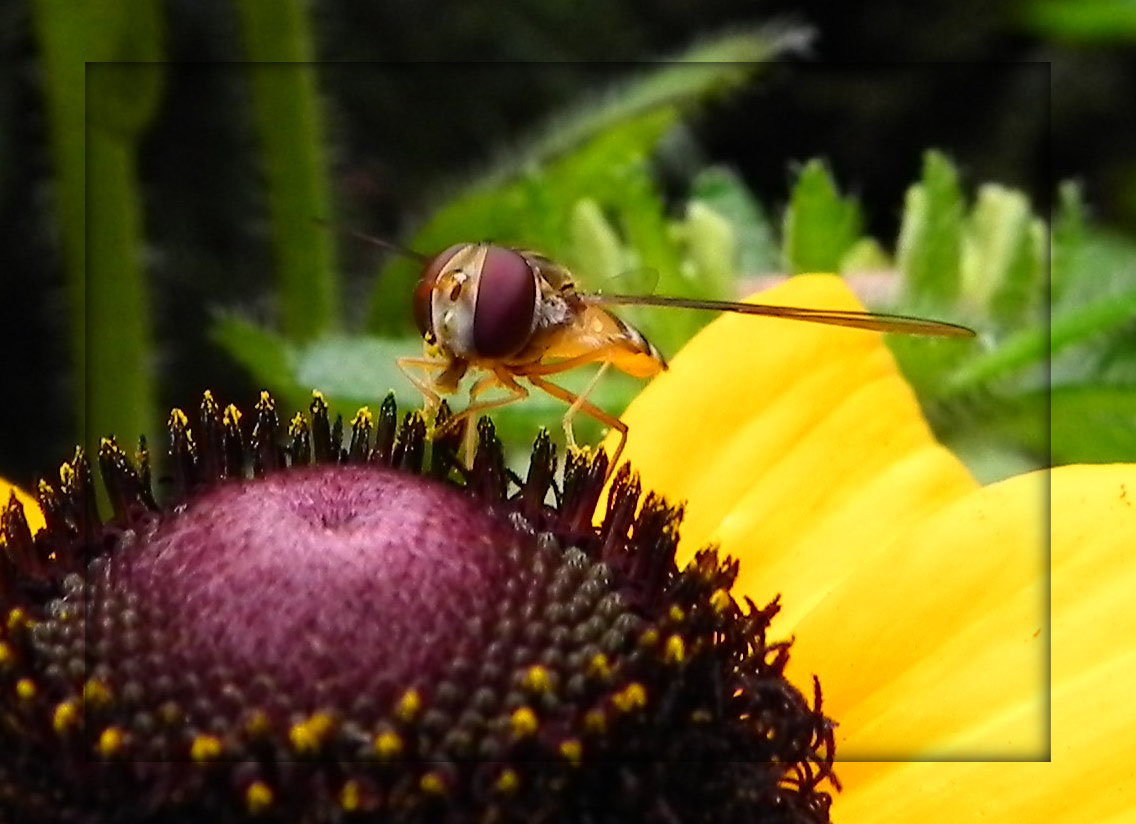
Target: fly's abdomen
[{"x": 643, "y": 359}]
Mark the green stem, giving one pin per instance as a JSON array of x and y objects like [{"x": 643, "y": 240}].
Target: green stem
[
  {"x": 120, "y": 391},
  {"x": 289, "y": 124},
  {"x": 64, "y": 87}
]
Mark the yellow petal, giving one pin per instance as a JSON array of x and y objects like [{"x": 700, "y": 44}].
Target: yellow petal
[
  {"x": 31, "y": 508},
  {"x": 797, "y": 447},
  {"x": 1090, "y": 776},
  {"x": 937, "y": 647}
]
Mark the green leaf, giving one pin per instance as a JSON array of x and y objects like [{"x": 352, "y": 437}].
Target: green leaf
[
  {"x": 1068, "y": 234},
  {"x": 595, "y": 244},
  {"x": 820, "y": 225},
  {"x": 711, "y": 67},
  {"x": 722, "y": 190},
  {"x": 1035, "y": 345},
  {"x": 1093, "y": 423},
  {"x": 1001, "y": 260},
  {"x": 711, "y": 248},
  {"x": 536, "y": 211},
  {"x": 929, "y": 246},
  {"x": 268, "y": 357},
  {"x": 865, "y": 255},
  {"x": 1088, "y": 21}
]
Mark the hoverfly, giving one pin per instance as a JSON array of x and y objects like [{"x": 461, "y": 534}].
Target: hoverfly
[{"x": 513, "y": 314}]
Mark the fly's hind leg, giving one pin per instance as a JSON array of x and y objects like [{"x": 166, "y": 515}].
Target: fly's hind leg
[{"x": 580, "y": 403}]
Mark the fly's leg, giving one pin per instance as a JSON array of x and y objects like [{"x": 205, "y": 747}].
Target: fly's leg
[
  {"x": 430, "y": 397},
  {"x": 581, "y": 399},
  {"x": 497, "y": 378},
  {"x": 579, "y": 403}
]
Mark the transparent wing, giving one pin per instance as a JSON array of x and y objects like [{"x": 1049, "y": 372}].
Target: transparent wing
[{"x": 874, "y": 321}]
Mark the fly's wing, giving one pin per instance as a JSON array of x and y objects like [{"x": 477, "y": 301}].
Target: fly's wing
[
  {"x": 593, "y": 331},
  {"x": 873, "y": 321}
]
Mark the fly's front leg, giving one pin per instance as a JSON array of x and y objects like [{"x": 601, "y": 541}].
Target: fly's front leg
[
  {"x": 497, "y": 378},
  {"x": 430, "y": 397},
  {"x": 579, "y": 403}
]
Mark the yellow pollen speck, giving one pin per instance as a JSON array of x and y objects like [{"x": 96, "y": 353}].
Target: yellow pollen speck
[
  {"x": 537, "y": 679},
  {"x": 66, "y": 716},
  {"x": 572, "y": 750},
  {"x": 599, "y": 666},
  {"x": 524, "y": 722},
  {"x": 17, "y": 619},
  {"x": 674, "y": 651},
  {"x": 633, "y": 697},
  {"x": 432, "y": 783},
  {"x": 350, "y": 796},
  {"x": 66, "y": 475},
  {"x": 507, "y": 782},
  {"x": 308, "y": 735},
  {"x": 388, "y": 744},
  {"x": 205, "y": 748},
  {"x": 232, "y": 415},
  {"x": 649, "y": 638},
  {"x": 317, "y": 396},
  {"x": 720, "y": 601},
  {"x": 408, "y": 705},
  {"x": 178, "y": 419},
  {"x": 258, "y": 797},
  {"x": 595, "y": 722},
  {"x": 26, "y": 689},
  {"x": 111, "y": 742},
  {"x": 363, "y": 417},
  {"x": 677, "y": 614},
  {"x": 95, "y": 693},
  {"x": 6, "y": 655}
]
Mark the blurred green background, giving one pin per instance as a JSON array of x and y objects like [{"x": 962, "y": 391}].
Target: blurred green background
[{"x": 159, "y": 209}]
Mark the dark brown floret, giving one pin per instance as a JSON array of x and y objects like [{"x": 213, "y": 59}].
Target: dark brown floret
[{"x": 318, "y": 628}]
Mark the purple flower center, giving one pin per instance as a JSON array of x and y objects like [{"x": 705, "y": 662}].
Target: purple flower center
[{"x": 360, "y": 579}]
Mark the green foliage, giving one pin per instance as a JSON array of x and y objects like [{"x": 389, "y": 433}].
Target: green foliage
[
  {"x": 1084, "y": 21},
  {"x": 721, "y": 190},
  {"x": 929, "y": 247},
  {"x": 599, "y": 151},
  {"x": 1052, "y": 379},
  {"x": 288, "y": 122},
  {"x": 819, "y": 225},
  {"x": 584, "y": 192},
  {"x": 103, "y": 82}
]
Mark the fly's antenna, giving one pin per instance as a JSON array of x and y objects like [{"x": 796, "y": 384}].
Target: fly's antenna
[{"x": 374, "y": 241}]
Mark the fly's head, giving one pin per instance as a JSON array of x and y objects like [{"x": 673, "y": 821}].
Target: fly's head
[{"x": 477, "y": 301}]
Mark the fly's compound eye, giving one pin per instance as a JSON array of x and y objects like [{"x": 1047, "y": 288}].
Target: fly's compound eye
[
  {"x": 424, "y": 291},
  {"x": 506, "y": 304}
]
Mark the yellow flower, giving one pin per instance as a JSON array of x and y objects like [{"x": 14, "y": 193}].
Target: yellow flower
[
  {"x": 966, "y": 641},
  {"x": 952, "y": 625}
]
